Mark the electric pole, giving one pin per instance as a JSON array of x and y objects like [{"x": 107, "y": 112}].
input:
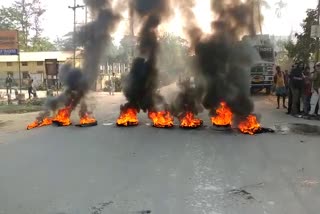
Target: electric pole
[{"x": 74, "y": 8}]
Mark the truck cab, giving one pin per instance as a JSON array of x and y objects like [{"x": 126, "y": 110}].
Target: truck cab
[
  {"x": 262, "y": 77},
  {"x": 262, "y": 72}
]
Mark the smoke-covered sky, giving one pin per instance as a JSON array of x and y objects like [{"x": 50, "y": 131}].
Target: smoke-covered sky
[{"x": 290, "y": 20}]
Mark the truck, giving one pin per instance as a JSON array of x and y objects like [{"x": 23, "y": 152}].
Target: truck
[{"x": 263, "y": 70}]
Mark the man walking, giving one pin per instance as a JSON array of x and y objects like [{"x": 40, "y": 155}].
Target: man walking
[
  {"x": 9, "y": 83},
  {"x": 31, "y": 89},
  {"x": 315, "y": 99}
]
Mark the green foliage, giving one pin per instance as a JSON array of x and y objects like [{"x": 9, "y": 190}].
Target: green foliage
[
  {"x": 121, "y": 54},
  {"x": 282, "y": 57},
  {"x": 42, "y": 44},
  {"x": 171, "y": 61},
  {"x": 65, "y": 43},
  {"x": 25, "y": 16},
  {"x": 304, "y": 47},
  {"x": 174, "y": 52}
]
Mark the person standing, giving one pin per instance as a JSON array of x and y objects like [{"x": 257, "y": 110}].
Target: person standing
[
  {"x": 30, "y": 86},
  {"x": 296, "y": 79},
  {"x": 286, "y": 79},
  {"x": 279, "y": 80},
  {"x": 307, "y": 91},
  {"x": 34, "y": 91},
  {"x": 315, "y": 98},
  {"x": 112, "y": 84},
  {"x": 9, "y": 82},
  {"x": 289, "y": 94}
]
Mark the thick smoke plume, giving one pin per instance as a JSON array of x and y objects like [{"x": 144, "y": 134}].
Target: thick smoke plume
[
  {"x": 193, "y": 32},
  {"x": 223, "y": 60},
  {"x": 141, "y": 85},
  {"x": 94, "y": 37}
]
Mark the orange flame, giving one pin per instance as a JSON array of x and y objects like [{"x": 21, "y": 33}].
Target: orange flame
[
  {"x": 128, "y": 117},
  {"x": 63, "y": 116},
  {"x": 161, "y": 119},
  {"x": 223, "y": 115},
  {"x": 250, "y": 125},
  {"x": 45, "y": 122},
  {"x": 87, "y": 119},
  {"x": 188, "y": 121}
]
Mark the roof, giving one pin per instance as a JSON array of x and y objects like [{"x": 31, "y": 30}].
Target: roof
[{"x": 38, "y": 56}]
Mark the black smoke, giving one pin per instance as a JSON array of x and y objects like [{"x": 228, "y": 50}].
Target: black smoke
[
  {"x": 225, "y": 61},
  {"x": 94, "y": 38},
  {"x": 222, "y": 60},
  {"x": 141, "y": 85}
]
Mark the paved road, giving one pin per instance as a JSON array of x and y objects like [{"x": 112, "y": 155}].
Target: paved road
[{"x": 106, "y": 169}]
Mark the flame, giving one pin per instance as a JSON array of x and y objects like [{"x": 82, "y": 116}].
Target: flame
[
  {"x": 250, "y": 125},
  {"x": 87, "y": 119},
  {"x": 223, "y": 115},
  {"x": 128, "y": 117},
  {"x": 63, "y": 116},
  {"x": 45, "y": 122},
  {"x": 188, "y": 121},
  {"x": 161, "y": 119}
]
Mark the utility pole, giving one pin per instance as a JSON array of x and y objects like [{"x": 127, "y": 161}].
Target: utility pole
[
  {"x": 74, "y": 8},
  {"x": 86, "y": 15},
  {"x": 318, "y": 41}
]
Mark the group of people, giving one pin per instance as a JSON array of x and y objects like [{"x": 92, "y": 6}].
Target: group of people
[
  {"x": 31, "y": 89},
  {"x": 301, "y": 86}
]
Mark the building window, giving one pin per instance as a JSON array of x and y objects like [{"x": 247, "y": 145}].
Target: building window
[
  {"x": 24, "y": 64},
  {"x": 39, "y": 72},
  {"x": 25, "y": 74},
  {"x": 9, "y": 64},
  {"x": 39, "y": 63}
]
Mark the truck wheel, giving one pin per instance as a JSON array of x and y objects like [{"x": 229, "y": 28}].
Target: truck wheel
[{"x": 268, "y": 90}]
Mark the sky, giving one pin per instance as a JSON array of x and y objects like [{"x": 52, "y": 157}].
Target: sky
[{"x": 58, "y": 20}]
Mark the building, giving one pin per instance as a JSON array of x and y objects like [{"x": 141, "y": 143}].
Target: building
[{"x": 31, "y": 63}]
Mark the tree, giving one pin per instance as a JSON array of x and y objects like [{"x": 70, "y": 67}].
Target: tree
[
  {"x": 7, "y": 18},
  {"x": 43, "y": 44},
  {"x": 174, "y": 52},
  {"x": 38, "y": 11},
  {"x": 305, "y": 46},
  {"x": 65, "y": 43},
  {"x": 25, "y": 16},
  {"x": 112, "y": 53},
  {"x": 282, "y": 57}
]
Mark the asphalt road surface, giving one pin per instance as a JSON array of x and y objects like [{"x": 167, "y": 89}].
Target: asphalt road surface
[{"x": 106, "y": 169}]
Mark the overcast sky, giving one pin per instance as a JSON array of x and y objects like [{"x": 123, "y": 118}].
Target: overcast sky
[{"x": 58, "y": 19}]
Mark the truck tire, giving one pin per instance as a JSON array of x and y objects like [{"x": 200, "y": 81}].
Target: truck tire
[{"x": 268, "y": 90}]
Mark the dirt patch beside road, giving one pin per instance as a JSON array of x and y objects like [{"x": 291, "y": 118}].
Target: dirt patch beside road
[
  {"x": 15, "y": 122},
  {"x": 18, "y": 109}
]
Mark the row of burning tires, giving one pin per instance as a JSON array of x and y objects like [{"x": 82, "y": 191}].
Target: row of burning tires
[{"x": 161, "y": 119}]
